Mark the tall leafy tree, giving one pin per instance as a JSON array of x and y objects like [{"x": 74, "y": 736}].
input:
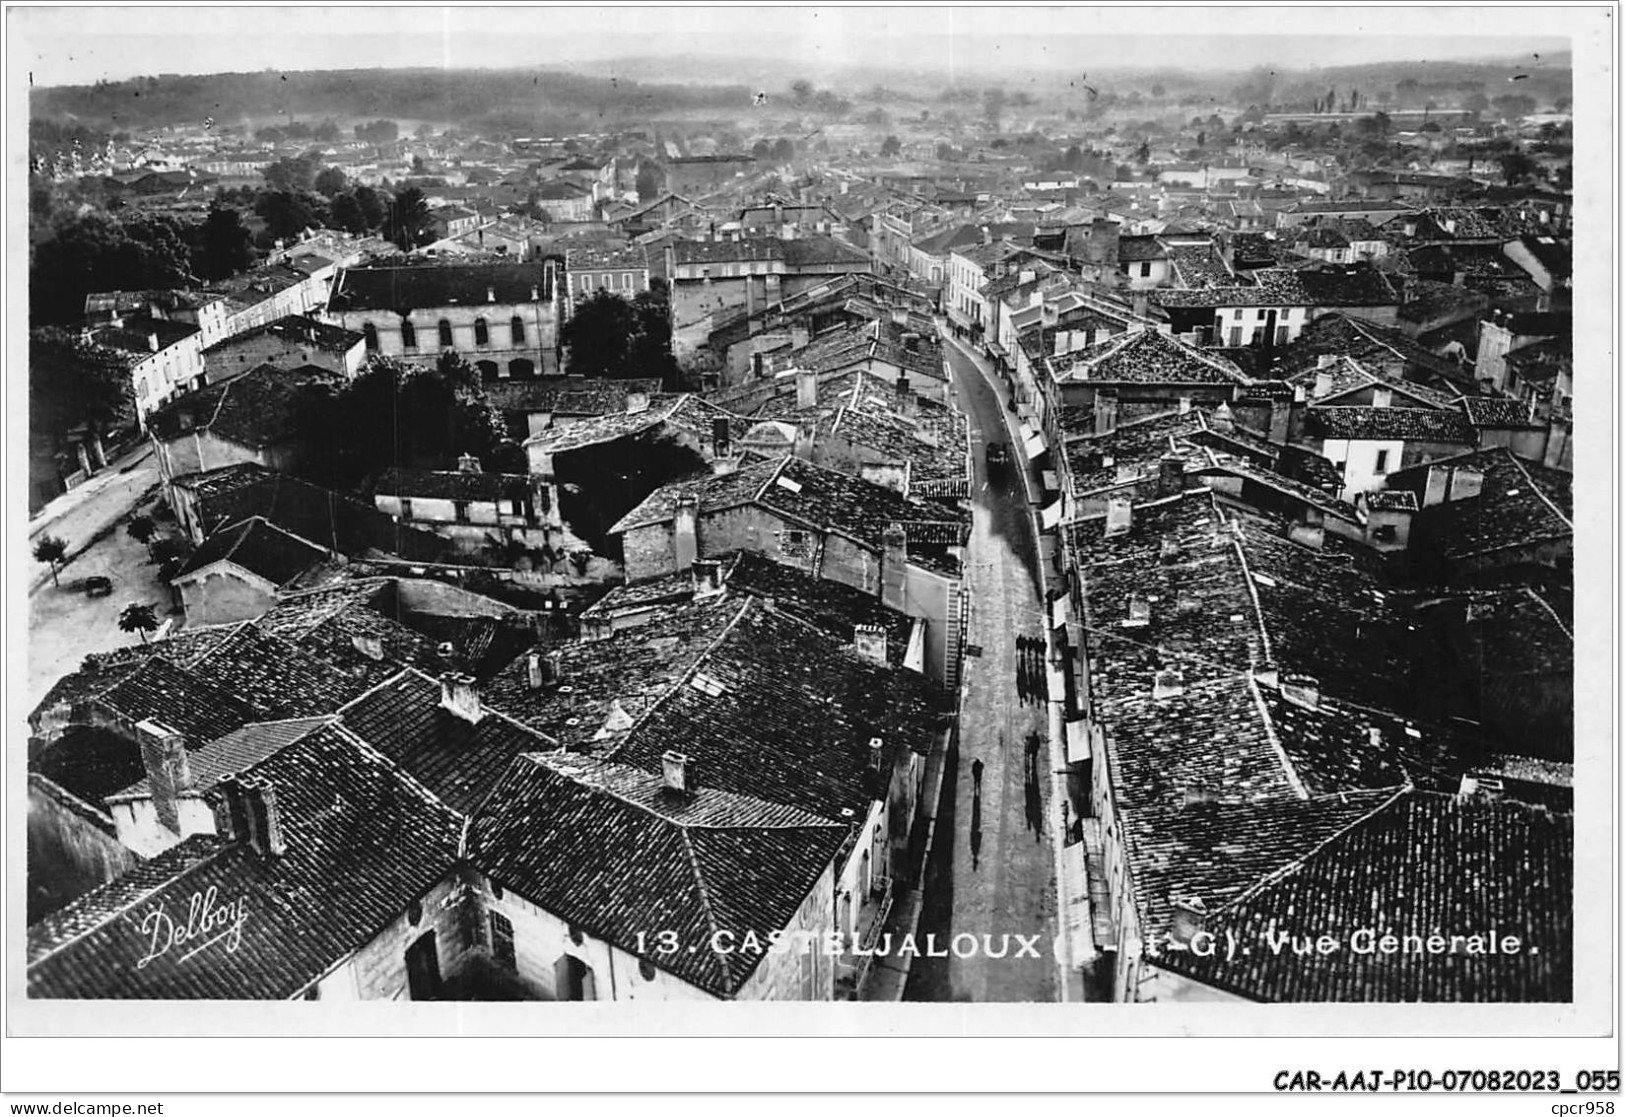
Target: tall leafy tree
[
  {"x": 407, "y": 222},
  {"x": 71, "y": 382},
  {"x": 51, "y": 550},
  {"x": 225, "y": 246},
  {"x": 330, "y": 181},
  {"x": 138, "y": 617}
]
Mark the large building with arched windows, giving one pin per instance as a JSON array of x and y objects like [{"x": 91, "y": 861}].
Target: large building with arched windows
[{"x": 502, "y": 318}]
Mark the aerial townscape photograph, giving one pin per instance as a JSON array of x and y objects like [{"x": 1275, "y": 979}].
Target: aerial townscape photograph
[{"x": 879, "y": 505}]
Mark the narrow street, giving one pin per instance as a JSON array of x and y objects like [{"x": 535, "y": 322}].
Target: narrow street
[
  {"x": 63, "y": 624},
  {"x": 991, "y": 870}
]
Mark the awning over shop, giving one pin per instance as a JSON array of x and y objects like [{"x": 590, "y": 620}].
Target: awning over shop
[{"x": 1077, "y": 741}]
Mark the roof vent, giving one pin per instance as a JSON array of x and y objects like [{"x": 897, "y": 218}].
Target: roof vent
[{"x": 1169, "y": 683}]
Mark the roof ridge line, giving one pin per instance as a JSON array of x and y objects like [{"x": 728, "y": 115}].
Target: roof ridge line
[
  {"x": 705, "y": 903},
  {"x": 1538, "y": 491},
  {"x": 688, "y": 673},
  {"x": 1252, "y": 590},
  {"x": 1544, "y": 604},
  {"x": 372, "y": 752},
  {"x": 1395, "y": 794},
  {"x": 1275, "y": 740}
]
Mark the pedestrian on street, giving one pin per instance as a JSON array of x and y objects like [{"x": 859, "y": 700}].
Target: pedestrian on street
[{"x": 976, "y": 772}]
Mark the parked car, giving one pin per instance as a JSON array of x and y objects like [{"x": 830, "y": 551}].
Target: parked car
[
  {"x": 998, "y": 456},
  {"x": 98, "y": 585}
]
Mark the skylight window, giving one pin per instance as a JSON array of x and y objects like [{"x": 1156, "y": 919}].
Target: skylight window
[
  {"x": 789, "y": 485},
  {"x": 707, "y": 685}
]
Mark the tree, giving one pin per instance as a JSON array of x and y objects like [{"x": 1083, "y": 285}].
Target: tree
[
  {"x": 1516, "y": 167},
  {"x": 346, "y": 214},
  {"x": 801, "y": 91},
  {"x": 298, "y": 173},
  {"x": 142, "y": 530},
  {"x": 225, "y": 245},
  {"x": 1475, "y": 101},
  {"x": 784, "y": 150},
  {"x": 507, "y": 456},
  {"x": 1157, "y": 90},
  {"x": 394, "y": 413},
  {"x": 98, "y": 252},
  {"x": 407, "y": 223},
  {"x": 1142, "y": 154},
  {"x": 51, "y": 551},
  {"x": 611, "y": 338},
  {"x": 72, "y": 382},
  {"x": 374, "y": 206},
  {"x": 891, "y": 146},
  {"x": 331, "y": 181},
  {"x": 287, "y": 214},
  {"x": 137, "y": 617},
  {"x": 378, "y": 132}
]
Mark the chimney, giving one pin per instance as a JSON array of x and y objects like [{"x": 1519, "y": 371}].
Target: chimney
[
  {"x": 370, "y": 646},
  {"x": 1139, "y": 611},
  {"x": 1280, "y": 419},
  {"x": 676, "y": 773},
  {"x": 637, "y": 403},
  {"x": 236, "y": 818},
  {"x": 1105, "y": 412},
  {"x": 460, "y": 696},
  {"x": 1301, "y": 690},
  {"x": 869, "y": 641},
  {"x": 490, "y": 292},
  {"x": 1223, "y": 419},
  {"x": 152, "y": 342},
  {"x": 535, "y": 293},
  {"x": 1189, "y": 919},
  {"x": 876, "y": 755},
  {"x": 264, "y": 821},
  {"x": 806, "y": 389},
  {"x": 1466, "y": 483},
  {"x": 1267, "y": 674},
  {"x": 670, "y": 254},
  {"x": 758, "y": 365},
  {"x": 685, "y": 530},
  {"x": 721, "y": 437},
  {"x": 1438, "y": 484},
  {"x": 707, "y": 578},
  {"x": 1169, "y": 683},
  {"x": 468, "y": 463},
  {"x": 1051, "y": 313},
  {"x": 1170, "y": 475},
  {"x": 1374, "y": 735},
  {"x": 1119, "y": 515},
  {"x": 1309, "y": 535},
  {"x": 169, "y": 773},
  {"x": 1199, "y": 791},
  {"x": 894, "y": 568}
]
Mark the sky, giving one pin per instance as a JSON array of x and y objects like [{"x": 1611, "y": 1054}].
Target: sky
[{"x": 55, "y": 46}]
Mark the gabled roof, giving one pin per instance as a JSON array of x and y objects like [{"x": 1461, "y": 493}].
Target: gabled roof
[
  {"x": 1421, "y": 864},
  {"x": 295, "y": 329},
  {"x": 458, "y": 761},
  {"x": 259, "y": 547},
  {"x": 1521, "y": 503},
  {"x": 361, "y": 843},
  {"x": 787, "y": 715},
  {"x": 236, "y": 752},
  {"x": 1401, "y": 424},
  {"x": 688, "y": 413},
  {"x": 603, "y": 847},
  {"x": 256, "y": 409},
  {"x": 454, "y": 484},
  {"x": 1143, "y": 357},
  {"x": 798, "y": 491}
]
